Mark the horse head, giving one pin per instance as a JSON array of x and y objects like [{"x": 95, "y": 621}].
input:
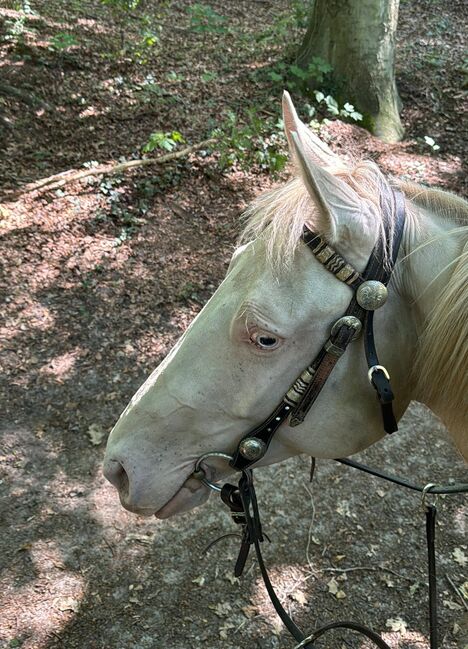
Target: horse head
[{"x": 262, "y": 326}]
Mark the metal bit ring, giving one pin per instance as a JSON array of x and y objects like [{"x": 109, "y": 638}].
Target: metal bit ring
[{"x": 201, "y": 473}]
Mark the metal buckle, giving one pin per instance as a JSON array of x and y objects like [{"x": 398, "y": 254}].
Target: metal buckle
[
  {"x": 374, "y": 368},
  {"x": 303, "y": 643},
  {"x": 201, "y": 473},
  {"x": 349, "y": 321},
  {"x": 425, "y": 492}
]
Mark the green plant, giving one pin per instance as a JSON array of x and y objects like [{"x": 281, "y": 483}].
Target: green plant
[
  {"x": 301, "y": 80},
  {"x": 15, "y": 29},
  {"x": 62, "y": 41},
  {"x": 316, "y": 72},
  {"x": 283, "y": 28},
  {"x": 253, "y": 142},
  {"x": 149, "y": 31},
  {"x": 148, "y": 40},
  {"x": 347, "y": 111},
  {"x": 204, "y": 19},
  {"x": 208, "y": 76},
  {"x": 174, "y": 76},
  {"x": 165, "y": 141},
  {"x": 121, "y": 6}
]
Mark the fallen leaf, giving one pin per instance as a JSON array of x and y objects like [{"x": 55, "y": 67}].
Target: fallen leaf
[
  {"x": 249, "y": 611},
  {"x": 397, "y": 624},
  {"x": 414, "y": 587},
  {"x": 453, "y": 606},
  {"x": 299, "y": 596},
  {"x": 335, "y": 590},
  {"x": 96, "y": 434},
  {"x": 460, "y": 557},
  {"x": 464, "y": 589},
  {"x": 223, "y": 630},
  {"x": 343, "y": 508},
  {"x": 388, "y": 581},
  {"x": 333, "y": 586},
  {"x": 223, "y": 609}
]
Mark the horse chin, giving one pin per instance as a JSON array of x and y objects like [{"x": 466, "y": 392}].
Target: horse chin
[{"x": 192, "y": 494}]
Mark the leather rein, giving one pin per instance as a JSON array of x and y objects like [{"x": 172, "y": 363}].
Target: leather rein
[{"x": 369, "y": 293}]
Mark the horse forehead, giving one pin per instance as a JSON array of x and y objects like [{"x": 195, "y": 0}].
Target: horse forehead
[{"x": 299, "y": 286}]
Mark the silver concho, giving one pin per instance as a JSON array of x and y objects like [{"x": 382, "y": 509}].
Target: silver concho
[
  {"x": 252, "y": 448},
  {"x": 371, "y": 295},
  {"x": 349, "y": 321}
]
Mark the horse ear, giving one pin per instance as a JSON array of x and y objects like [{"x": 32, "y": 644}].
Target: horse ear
[
  {"x": 315, "y": 148},
  {"x": 343, "y": 217}
]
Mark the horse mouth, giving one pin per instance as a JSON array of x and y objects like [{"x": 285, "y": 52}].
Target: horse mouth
[{"x": 191, "y": 494}]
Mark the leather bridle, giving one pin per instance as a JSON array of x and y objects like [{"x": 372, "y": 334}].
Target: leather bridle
[{"x": 369, "y": 293}]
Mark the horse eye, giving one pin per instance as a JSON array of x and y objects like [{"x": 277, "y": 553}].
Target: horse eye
[{"x": 264, "y": 341}]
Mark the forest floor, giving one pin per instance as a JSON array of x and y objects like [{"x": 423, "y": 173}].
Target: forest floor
[{"x": 100, "y": 277}]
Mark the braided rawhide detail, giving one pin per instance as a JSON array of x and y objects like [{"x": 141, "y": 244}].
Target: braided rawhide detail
[{"x": 331, "y": 259}]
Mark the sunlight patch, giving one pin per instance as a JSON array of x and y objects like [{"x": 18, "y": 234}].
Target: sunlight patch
[{"x": 61, "y": 366}]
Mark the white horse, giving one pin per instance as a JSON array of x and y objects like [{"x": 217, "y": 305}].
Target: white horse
[{"x": 271, "y": 315}]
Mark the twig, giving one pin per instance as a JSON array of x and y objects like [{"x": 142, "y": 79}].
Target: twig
[
  {"x": 457, "y": 590},
  {"x": 311, "y": 527},
  {"x": 366, "y": 568},
  {"x": 61, "y": 179}
]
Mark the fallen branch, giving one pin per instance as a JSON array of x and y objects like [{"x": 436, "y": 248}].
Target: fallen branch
[{"x": 65, "y": 177}]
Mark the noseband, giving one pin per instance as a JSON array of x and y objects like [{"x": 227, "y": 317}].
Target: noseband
[{"x": 369, "y": 293}]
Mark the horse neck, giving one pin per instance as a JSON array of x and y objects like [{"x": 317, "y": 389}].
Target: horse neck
[
  {"x": 431, "y": 278},
  {"x": 430, "y": 248}
]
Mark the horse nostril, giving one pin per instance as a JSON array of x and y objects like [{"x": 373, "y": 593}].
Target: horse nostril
[{"x": 117, "y": 475}]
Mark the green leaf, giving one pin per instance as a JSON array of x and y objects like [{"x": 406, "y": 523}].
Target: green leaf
[
  {"x": 299, "y": 72},
  {"x": 332, "y": 105},
  {"x": 274, "y": 76}
]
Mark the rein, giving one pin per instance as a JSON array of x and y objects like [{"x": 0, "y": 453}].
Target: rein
[{"x": 369, "y": 294}]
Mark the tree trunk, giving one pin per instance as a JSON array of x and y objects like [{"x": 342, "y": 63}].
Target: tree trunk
[{"x": 357, "y": 38}]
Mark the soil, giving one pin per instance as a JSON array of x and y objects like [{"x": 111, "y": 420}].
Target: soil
[{"x": 101, "y": 277}]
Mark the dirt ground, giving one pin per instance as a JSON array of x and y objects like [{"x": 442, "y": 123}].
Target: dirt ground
[{"x": 99, "y": 278}]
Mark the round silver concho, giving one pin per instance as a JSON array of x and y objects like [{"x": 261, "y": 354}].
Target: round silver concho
[
  {"x": 349, "y": 321},
  {"x": 252, "y": 448},
  {"x": 371, "y": 295}
]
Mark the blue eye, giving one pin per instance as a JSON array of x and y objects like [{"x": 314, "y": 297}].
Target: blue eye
[{"x": 264, "y": 340}]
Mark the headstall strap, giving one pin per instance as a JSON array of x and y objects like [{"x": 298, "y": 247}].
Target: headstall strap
[{"x": 369, "y": 293}]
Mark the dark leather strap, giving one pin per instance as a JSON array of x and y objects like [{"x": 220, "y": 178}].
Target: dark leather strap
[
  {"x": 242, "y": 501},
  {"x": 379, "y": 268},
  {"x": 431, "y": 512}
]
